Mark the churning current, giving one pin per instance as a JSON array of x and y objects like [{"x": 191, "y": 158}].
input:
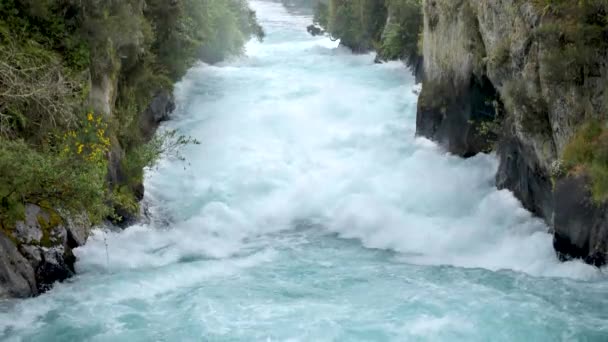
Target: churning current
[{"x": 310, "y": 212}]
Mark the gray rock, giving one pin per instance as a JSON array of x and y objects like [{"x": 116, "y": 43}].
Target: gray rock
[
  {"x": 519, "y": 171},
  {"x": 29, "y": 231},
  {"x": 57, "y": 265},
  {"x": 38, "y": 258},
  {"x": 78, "y": 229},
  {"x": 580, "y": 224},
  {"x": 453, "y": 116},
  {"x": 159, "y": 110},
  {"x": 16, "y": 273},
  {"x": 32, "y": 254},
  {"x": 497, "y": 40}
]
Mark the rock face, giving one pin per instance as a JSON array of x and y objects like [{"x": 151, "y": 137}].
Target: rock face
[
  {"x": 456, "y": 117},
  {"x": 579, "y": 224},
  {"x": 159, "y": 109},
  {"x": 478, "y": 52},
  {"x": 38, "y": 252},
  {"x": 16, "y": 273}
]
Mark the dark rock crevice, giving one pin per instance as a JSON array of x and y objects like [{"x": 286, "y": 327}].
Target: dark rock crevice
[
  {"x": 459, "y": 117},
  {"x": 520, "y": 172}
]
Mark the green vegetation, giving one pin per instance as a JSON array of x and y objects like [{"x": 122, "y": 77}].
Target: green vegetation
[
  {"x": 57, "y": 149},
  {"x": 402, "y": 35},
  {"x": 575, "y": 34},
  {"x": 588, "y": 152},
  {"x": 357, "y": 23},
  {"x": 391, "y": 27},
  {"x": 530, "y": 107}
]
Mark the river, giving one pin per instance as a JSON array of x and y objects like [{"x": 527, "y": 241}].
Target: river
[{"x": 310, "y": 212}]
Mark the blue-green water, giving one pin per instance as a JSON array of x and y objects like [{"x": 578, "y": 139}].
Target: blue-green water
[{"x": 311, "y": 213}]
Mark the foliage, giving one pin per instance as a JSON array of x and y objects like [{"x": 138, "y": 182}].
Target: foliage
[
  {"x": 321, "y": 15},
  {"x": 209, "y": 29},
  {"x": 51, "y": 54},
  {"x": 402, "y": 34},
  {"x": 587, "y": 152},
  {"x": 575, "y": 34},
  {"x": 357, "y": 23},
  {"x": 36, "y": 95},
  {"x": 52, "y": 24},
  {"x": 362, "y": 25},
  {"x": 69, "y": 174}
]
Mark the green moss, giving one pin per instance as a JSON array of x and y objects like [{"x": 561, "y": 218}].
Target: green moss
[
  {"x": 47, "y": 226},
  {"x": 587, "y": 152},
  {"x": 533, "y": 114},
  {"x": 574, "y": 36},
  {"x": 501, "y": 53},
  {"x": 7, "y": 228}
]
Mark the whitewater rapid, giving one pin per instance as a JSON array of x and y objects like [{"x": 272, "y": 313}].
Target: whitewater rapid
[{"x": 310, "y": 212}]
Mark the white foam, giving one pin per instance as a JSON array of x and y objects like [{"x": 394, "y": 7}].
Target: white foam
[
  {"x": 300, "y": 130},
  {"x": 301, "y": 134}
]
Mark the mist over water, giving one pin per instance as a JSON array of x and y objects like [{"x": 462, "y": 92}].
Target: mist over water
[{"x": 310, "y": 212}]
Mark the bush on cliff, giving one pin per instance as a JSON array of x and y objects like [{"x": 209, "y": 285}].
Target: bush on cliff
[
  {"x": 575, "y": 34},
  {"x": 587, "y": 152},
  {"x": 362, "y": 25},
  {"x": 357, "y": 23},
  {"x": 68, "y": 172},
  {"x": 401, "y": 36},
  {"x": 53, "y": 149}
]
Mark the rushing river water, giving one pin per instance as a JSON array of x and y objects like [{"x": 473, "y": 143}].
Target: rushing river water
[{"x": 309, "y": 212}]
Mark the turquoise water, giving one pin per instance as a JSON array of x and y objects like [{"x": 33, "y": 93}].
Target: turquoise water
[{"x": 311, "y": 213}]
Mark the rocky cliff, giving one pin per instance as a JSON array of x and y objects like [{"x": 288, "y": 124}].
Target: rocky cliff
[
  {"x": 84, "y": 86},
  {"x": 526, "y": 79},
  {"x": 522, "y": 78}
]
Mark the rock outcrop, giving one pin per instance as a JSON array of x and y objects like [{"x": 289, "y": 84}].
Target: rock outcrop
[
  {"x": 511, "y": 53},
  {"x": 159, "y": 109},
  {"x": 38, "y": 251},
  {"x": 579, "y": 224}
]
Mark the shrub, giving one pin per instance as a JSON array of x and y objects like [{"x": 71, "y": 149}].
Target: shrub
[
  {"x": 575, "y": 34},
  {"x": 587, "y": 152},
  {"x": 68, "y": 174},
  {"x": 321, "y": 15},
  {"x": 37, "y": 93},
  {"x": 357, "y": 23},
  {"x": 401, "y": 36},
  {"x": 51, "y": 51}
]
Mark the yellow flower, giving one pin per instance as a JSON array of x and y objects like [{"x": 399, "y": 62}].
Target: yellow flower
[
  {"x": 80, "y": 147},
  {"x": 90, "y": 116}
]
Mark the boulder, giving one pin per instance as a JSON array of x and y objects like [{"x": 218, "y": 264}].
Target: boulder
[
  {"x": 38, "y": 252},
  {"x": 16, "y": 273},
  {"x": 29, "y": 230},
  {"x": 315, "y": 30}
]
